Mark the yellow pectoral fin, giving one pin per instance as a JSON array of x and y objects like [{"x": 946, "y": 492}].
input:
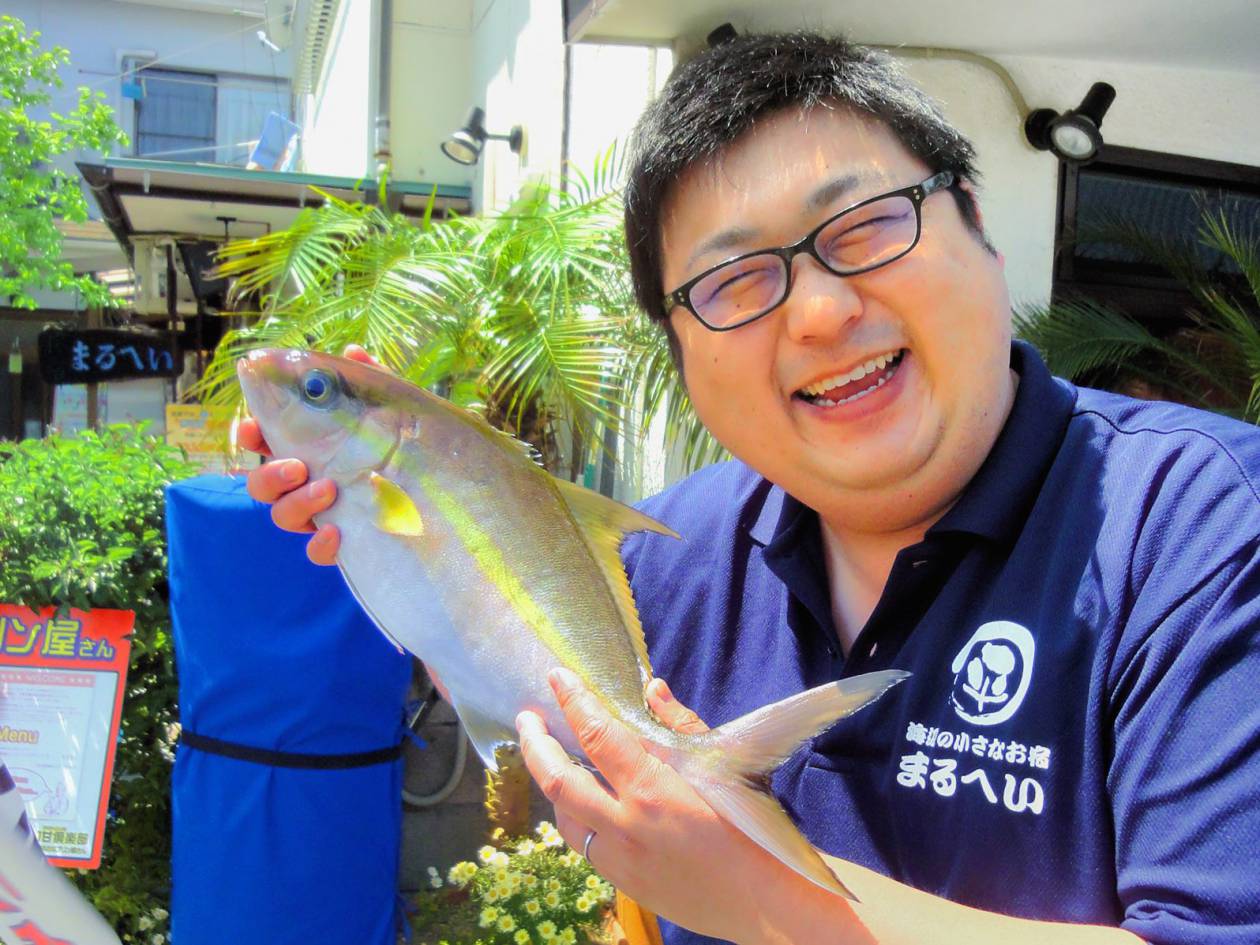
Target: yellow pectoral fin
[{"x": 396, "y": 514}]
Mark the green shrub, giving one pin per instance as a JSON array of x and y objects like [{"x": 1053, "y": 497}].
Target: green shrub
[{"x": 81, "y": 525}]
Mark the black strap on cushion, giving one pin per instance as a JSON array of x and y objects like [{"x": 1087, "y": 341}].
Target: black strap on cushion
[{"x": 289, "y": 759}]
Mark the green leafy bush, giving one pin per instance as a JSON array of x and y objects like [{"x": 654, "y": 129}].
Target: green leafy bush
[{"x": 81, "y": 525}]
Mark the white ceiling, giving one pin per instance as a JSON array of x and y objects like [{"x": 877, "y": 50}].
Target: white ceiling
[{"x": 1207, "y": 34}]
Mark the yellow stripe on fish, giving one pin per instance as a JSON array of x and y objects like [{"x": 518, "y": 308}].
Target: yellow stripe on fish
[{"x": 481, "y": 546}]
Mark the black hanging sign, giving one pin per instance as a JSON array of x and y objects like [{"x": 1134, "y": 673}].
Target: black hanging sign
[{"x": 92, "y": 355}]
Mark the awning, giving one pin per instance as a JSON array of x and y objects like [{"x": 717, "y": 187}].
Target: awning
[
  {"x": 158, "y": 208},
  {"x": 188, "y": 201}
]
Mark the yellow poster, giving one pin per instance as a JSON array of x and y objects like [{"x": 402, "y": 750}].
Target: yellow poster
[{"x": 205, "y": 433}]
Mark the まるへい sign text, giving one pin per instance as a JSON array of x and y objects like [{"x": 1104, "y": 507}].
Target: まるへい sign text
[{"x": 96, "y": 355}]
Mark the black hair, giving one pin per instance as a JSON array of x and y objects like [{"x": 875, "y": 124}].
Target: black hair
[{"x": 714, "y": 99}]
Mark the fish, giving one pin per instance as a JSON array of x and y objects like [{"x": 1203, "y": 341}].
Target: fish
[{"x": 466, "y": 552}]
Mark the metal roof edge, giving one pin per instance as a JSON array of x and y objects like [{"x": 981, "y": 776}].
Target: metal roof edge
[{"x": 328, "y": 182}]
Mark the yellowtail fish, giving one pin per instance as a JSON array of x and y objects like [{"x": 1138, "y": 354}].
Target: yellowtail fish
[{"x": 469, "y": 554}]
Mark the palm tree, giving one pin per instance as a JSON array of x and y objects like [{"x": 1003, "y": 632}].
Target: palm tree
[
  {"x": 525, "y": 315},
  {"x": 1213, "y": 362}
]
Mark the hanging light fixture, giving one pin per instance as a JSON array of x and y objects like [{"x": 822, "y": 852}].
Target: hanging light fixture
[
  {"x": 1073, "y": 136},
  {"x": 464, "y": 146}
]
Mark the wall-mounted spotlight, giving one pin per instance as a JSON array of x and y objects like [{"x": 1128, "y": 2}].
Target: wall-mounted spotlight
[
  {"x": 464, "y": 146},
  {"x": 1074, "y": 135}
]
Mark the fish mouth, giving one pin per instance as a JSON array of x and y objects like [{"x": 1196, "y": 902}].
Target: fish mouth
[{"x": 262, "y": 393}]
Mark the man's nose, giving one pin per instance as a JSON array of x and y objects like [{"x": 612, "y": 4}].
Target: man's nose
[{"x": 821, "y": 304}]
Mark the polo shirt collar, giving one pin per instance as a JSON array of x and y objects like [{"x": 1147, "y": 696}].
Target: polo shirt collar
[{"x": 999, "y": 497}]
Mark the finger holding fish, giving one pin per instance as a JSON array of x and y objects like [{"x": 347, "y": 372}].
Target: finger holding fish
[{"x": 655, "y": 838}]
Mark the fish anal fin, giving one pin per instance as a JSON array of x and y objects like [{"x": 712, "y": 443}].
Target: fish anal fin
[
  {"x": 605, "y": 522},
  {"x": 396, "y": 513},
  {"x": 485, "y": 733}
]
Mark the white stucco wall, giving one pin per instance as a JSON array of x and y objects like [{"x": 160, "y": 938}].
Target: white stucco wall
[
  {"x": 518, "y": 77},
  {"x": 337, "y": 120},
  {"x": 1199, "y": 113},
  {"x": 432, "y": 87}
]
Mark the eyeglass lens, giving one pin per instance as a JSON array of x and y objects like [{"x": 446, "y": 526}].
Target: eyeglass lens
[{"x": 863, "y": 238}]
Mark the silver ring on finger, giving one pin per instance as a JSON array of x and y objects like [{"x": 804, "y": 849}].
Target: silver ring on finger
[{"x": 586, "y": 847}]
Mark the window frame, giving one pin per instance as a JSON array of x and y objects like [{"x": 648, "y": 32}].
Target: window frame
[{"x": 1150, "y": 297}]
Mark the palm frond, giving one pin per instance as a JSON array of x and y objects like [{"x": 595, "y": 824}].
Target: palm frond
[{"x": 1076, "y": 338}]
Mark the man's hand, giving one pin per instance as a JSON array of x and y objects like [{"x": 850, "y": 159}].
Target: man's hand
[
  {"x": 655, "y": 837},
  {"x": 282, "y": 484}
]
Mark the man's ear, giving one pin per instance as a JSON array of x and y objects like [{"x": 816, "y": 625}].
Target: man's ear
[{"x": 969, "y": 189}]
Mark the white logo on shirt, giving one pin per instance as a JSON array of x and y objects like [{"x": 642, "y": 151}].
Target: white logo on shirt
[{"x": 992, "y": 673}]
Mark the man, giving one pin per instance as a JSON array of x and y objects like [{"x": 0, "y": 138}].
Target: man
[{"x": 1070, "y": 576}]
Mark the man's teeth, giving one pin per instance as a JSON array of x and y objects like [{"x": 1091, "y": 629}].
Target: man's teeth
[{"x": 859, "y": 372}]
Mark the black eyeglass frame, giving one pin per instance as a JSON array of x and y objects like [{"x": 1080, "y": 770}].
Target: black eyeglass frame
[{"x": 917, "y": 194}]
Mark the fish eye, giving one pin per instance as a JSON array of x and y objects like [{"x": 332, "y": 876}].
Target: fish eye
[{"x": 318, "y": 387}]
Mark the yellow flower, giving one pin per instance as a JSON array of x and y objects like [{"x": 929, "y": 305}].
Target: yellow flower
[
  {"x": 506, "y": 923},
  {"x": 552, "y": 899},
  {"x": 532, "y": 907},
  {"x": 504, "y": 891},
  {"x": 547, "y": 930},
  {"x": 606, "y": 892},
  {"x": 553, "y": 885},
  {"x": 500, "y": 874},
  {"x": 498, "y": 858},
  {"x": 544, "y": 827},
  {"x": 521, "y": 937},
  {"x": 568, "y": 936},
  {"x": 592, "y": 882},
  {"x": 530, "y": 880},
  {"x": 486, "y": 853},
  {"x": 525, "y": 847},
  {"x": 583, "y": 904},
  {"x": 488, "y": 915},
  {"x": 461, "y": 873},
  {"x": 491, "y": 895}
]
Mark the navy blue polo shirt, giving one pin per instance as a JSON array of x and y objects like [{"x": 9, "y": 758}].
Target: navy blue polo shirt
[{"x": 1080, "y": 739}]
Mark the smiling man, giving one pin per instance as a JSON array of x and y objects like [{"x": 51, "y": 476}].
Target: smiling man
[{"x": 1070, "y": 576}]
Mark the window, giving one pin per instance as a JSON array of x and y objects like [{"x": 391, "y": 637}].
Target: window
[
  {"x": 202, "y": 117},
  {"x": 1163, "y": 195},
  {"x": 175, "y": 115}
]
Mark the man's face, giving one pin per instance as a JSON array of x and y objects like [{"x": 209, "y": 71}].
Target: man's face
[{"x": 933, "y": 328}]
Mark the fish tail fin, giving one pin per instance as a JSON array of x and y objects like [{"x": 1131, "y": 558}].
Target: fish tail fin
[{"x": 751, "y": 747}]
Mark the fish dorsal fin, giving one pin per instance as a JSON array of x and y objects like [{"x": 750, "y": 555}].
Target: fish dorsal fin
[
  {"x": 527, "y": 449},
  {"x": 605, "y": 522},
  {"x": 396, "y": 514}
]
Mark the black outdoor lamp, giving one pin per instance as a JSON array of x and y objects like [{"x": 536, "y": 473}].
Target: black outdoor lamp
[
  {"x": 1074, "y": 135},
  {"x": 464, "y": 146}
]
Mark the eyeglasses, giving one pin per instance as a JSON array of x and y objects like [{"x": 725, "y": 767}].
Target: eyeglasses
[{"x": 863, "y": 237}]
